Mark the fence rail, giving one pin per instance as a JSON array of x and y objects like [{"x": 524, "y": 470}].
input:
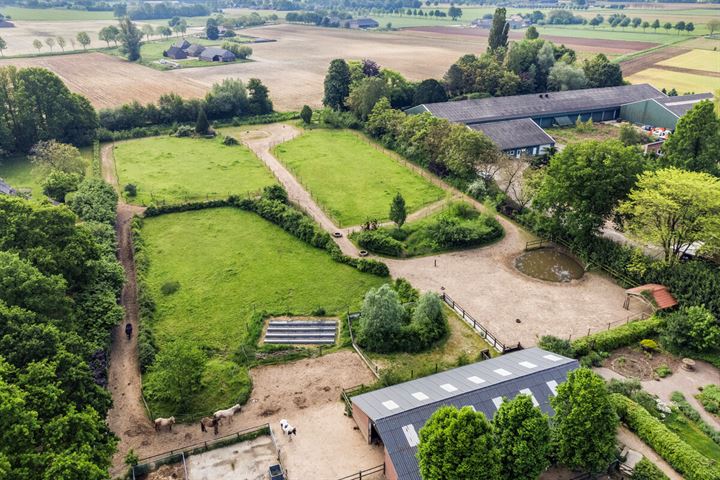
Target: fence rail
[
  {"x": 491, "y": 339},
  {"x": 373, "y": 368},
  {"x": 378, "y": 469}
]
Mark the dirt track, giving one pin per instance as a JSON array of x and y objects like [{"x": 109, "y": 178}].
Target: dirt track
[{"x": 650, "y": 60}]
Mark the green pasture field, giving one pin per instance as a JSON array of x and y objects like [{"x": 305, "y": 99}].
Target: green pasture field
[
  {"x": 696, "y": 59},
  {"x": 461, "y": 344},
  {"x": 231, "y": 264},
  {"x": 175, "y": 170},
  {"x": 19, "y": 173},
  {"x": 52, "y": 14},
  {"x": 152, "y": 51},
  {"x": 352, "y": 179},
  {"x": 681, "y": 81},
  {"x": 692, "y": 435}
]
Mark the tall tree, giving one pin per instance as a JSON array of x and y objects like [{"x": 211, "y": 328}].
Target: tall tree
[
  {"x": 50, "y": 42},
  {"x": 37, "y": 44},
  {"x": 259, "y": 101},
  {"x": 51, "y": 155},
  {"x": 564, "y": 77},
  {"x": 147, "y": 31},
  {"x": 381, "y": 320},
  {"x": 459, "y": 445},
  {"x": 364, "y": 95},
  {"x": 522, "y": 435},
  {"x": 306, "y": 114},
  {"x": 61, "y": 43},
  {"x": 130, "y": 38},
  {"x": 429, "y": 91},
  {"x": 600, "y": 72},
  {"x": 675, "y": 208},
  {"x": 398, "y": 212},
  {"x": 585, "y": 182},
  {"x": 337, "y": 84},
  {"x": 3, "y": 46},
  {"x": 202, "y": 126},
  {"x": 531, "y": 33},
  {"x": 695, "y": 143},
  {"x": 498, "y": 37},
  {"x": 585, "y": 423},
  {"x": 83, "y": 39},
  {"x": 176, "y": 374}
]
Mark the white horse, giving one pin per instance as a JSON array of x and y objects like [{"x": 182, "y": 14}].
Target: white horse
[
  {"x": 164, "y": 422},
  {"x": 288, "y": 429},
  {"x": 227, "y": 413}
]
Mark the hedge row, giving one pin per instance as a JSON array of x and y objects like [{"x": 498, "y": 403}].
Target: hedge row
[
  {"x": 147, "y": 348},
  {"x": 681, "y": 456},
  {"x": 646, "y": 470},
  {"x": 679, "y": 399},
  {"x": 379, "y": 242},
  {"x": 615, "y": 338}
]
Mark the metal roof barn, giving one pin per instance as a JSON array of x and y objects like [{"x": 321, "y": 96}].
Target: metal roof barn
[
  {"x": 396, "y": 414},
  {"x": 513, "y": 134}
]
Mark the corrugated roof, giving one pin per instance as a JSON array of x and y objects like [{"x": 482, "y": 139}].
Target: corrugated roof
[
  {"x": 399, "y": 412},
  {"x": 513, "y": 134},
  {"x": 534, "y": 105},
  {"x": 681, "y": 104}
]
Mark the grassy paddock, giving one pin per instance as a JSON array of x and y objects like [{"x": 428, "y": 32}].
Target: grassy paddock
[
  {"x": 230, "y": 265},
  {"x": 350, "y": 178},
  {"x": 682, "y": 82},
  {"x": 52, "y": 14},
  {"x": 692, "y": 435},
  {"x": 696, "y": 59},
  {"x": 177, "y": 170}
]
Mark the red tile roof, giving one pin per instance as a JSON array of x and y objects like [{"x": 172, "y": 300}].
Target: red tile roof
[{"x": 661, "y": 295}]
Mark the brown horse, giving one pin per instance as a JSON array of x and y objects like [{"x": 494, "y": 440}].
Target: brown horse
[{"x": 209, "y": 422}]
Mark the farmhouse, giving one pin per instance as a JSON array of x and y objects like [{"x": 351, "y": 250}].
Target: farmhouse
[
  {"x": 216, "y": 54},
  {"x": 395, "y": 415},
  {"x": 498, "y": 117},
  {"x": 361, "y": 23},
  {"x": 175, "y": 53},
  {"x": 195, "y": 50}
]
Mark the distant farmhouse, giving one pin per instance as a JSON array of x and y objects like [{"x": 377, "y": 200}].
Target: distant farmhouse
[
  {"x": 515, "y": 22},
  {"x": 6, "y": 189},
  {"x": 6, "y": 24},
  {"x": 361, "y": 23},
  {"x": 394, "y": 415},
  {"x": 183, "y": 49},
  {"x": 516, "y": 123}
]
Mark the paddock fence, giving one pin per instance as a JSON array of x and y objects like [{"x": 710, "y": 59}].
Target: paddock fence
[
  {"x": 373, "y": 472},
  {"x": 491, "y": 339},
  {"x": 151, "y": 463},
  {"x": 370, "y": 364}
]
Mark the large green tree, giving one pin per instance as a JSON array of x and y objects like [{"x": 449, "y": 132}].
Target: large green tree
[
  {"x": 337, "y": 84},
  {"x": 459, "y": 445},
  {"x": 522, "y": 435},
  {"x": 675, "y": 208},
  {"x": 49, "y": 156},
  {"x": 381, "y": 320},
  {"x": 585, "y": 423},
  {"x": 695, "y": 143},
  {"x": 176, "y": 374},
  {"x": 600, "y": 72},
  {"x": 398, "y": 212},
  {"x": 130, "y": 37},
  {"x": 364, "y": 95},
  {"x": 584, "y": 183},
  {"x": 498, "y": 38},
  {"x": 465, "y": 149},
  {"x": 691, "y": 330}
]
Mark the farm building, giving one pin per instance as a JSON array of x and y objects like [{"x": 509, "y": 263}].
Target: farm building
[
  {"x": 641, "y": 104},
  {"x": 175, "y": 53},
  {"x": 361, "y": 23},
  {"x": 395, "y": 415},
  {"x": 195, "y": 50},
  {"x": 216, "y": 54},
  {"x": 6, "y": 24},
  {"x": 6, "y": 189},
  {"x": 182, "y": 44}
]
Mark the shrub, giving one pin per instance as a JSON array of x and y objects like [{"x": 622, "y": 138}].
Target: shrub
[
  {"x": 168, "y": 288},
  {"x": 95, "y": 201},
  {"x": 633, "y": 390},
  {"x": 663, "y": 371},
  {"x": 380, "y": 327},
  {"x": 615, "y": 338},
  {"x": 275, "y": 192},
  {"x": 646, "y": 470},
  {"x": 407, "y": 293},
  {"x": 649, "y": 345},
  {"x": 131, "y": 189},
  {"x": 557, "y": 345},
  {"x": 184, "y": 131},
  {"x": 58, "y": 184},
  {"x": 379, "y": 241},
  {"x": 478, "y": 189},
  {"x": 338, "y": 119},
  {"x": 592, "y": 359},
  {"x": 691, "y": 329},
  {"x": 681, "y": 456},
  {"x": 147, "y": 349},
  {"x": 709, "y": 397},
  {"x": 428, "y": 323},
  {"x": 230, "y": 141}
]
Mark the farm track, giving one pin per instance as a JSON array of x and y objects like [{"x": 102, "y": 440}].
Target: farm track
[{"x": 650, "y": 60}]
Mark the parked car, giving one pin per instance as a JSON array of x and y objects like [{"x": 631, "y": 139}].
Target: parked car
[{"x": 647, "y": 128}]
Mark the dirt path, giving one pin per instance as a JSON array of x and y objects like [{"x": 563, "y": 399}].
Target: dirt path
[{"x": 633, "y": 442}]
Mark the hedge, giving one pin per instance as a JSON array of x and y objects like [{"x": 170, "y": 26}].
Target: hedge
[
  {"x": 646, "y": 470},
  {"x": 147, "y": 348},
  {"x": 379, "y": 242},
  {"x": 681, "y": 456},
  {"x": 615, "y": 338}
]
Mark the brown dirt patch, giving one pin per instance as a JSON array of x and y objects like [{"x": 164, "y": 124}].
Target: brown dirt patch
[
  {"x": 633, "y": 362},
  {"x": 109, "y": 81},
  {"x": 646, "y": 61},
  {"x": 167, "y": 472},
  {"x": 584, "y": 44}
]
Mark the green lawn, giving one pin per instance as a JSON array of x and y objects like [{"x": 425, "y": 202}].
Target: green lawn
[
  {"x": 230, "y": 264},
  {"x": 20, "y": 174},
  {"x": 50, "y": 14},
  {"x": 352, "y": 179},
  {"x": 174, "y": 170},
  {"x": 152, "y": 51},
  {"x": 692, "y": 435}
]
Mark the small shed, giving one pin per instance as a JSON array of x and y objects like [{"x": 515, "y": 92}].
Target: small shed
[
  {"x": 175, "y": 53},
  {"x": 657, "y": 296},
  {"x": 182, "y": 44},
  {"x": 215, "y": 54},
  {"x": 362, "y": 23},
  {"x": 195, "y": 50}
]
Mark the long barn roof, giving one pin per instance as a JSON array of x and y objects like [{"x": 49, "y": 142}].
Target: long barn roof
[
  {"x": 536, "y": 105},
  {"x": 513, "y": 134}
]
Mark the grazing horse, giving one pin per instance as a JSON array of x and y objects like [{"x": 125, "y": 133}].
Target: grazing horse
[
  {"x": 209, "y": 422},
  {"x": 164, "y": 422},
  {"x": 288, "y": 429},
  {"x": 227, "y": 413}
]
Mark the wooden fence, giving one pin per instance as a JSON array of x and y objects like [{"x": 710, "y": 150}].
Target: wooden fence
[
  {"x": 367, "y": 473},
  {"x": 373, "y": 368}
]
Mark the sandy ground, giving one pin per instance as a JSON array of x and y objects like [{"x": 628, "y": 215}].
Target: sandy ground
[
  {"x": 483, "y": 280},
  {"x": 249, "y": 460}
]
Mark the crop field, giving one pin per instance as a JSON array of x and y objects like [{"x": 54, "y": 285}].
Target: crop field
[
  {"x": 681, "y": 81},
  {"x": 706, "y": 60},
  {"x": 172, "y": 170},
  {"x": 19, "y": 14},
  {"x": 231, "y": 264},
  {"x": 352, "y": 180}
]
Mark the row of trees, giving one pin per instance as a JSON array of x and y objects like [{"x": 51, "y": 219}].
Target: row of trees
[{"x": 520, "y": 441}]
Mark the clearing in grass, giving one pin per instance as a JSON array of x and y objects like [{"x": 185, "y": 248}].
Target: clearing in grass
[
  {"x": 350, "y": 178},
  {"x": 697, "y": 59},
  {"x": 231, "y": 265},
  {"x": 680, "y": 81},
  {"x": 177, "y": 170}
]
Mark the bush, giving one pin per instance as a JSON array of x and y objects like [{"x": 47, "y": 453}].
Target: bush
[
  {"x": 94, "y": 201},
  {"x": 691, "y": 329},
  {"x": 184, "y": 131},
  {"x": 681, "y": 456},
  {"x": 556, "y": 345},
  {"x": 379, "y": 241},
  {"x": 275, "y": 192},
  {"x": 58, "y": 184},
  {"x": 663, "y": 371},
  {"x": 168, "y": 288},
  {"x": 709, "y": 397},
  {"x": 230, "y": 141},
  {"x": 646, "y": 470},
  {"x": 615, "y": 338},
  {"x": 337, "y": 119},
  {"x": 478, "y": 189},
  {"x": 131, "y": 189},
  {"x": 649, "y": 345}
]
